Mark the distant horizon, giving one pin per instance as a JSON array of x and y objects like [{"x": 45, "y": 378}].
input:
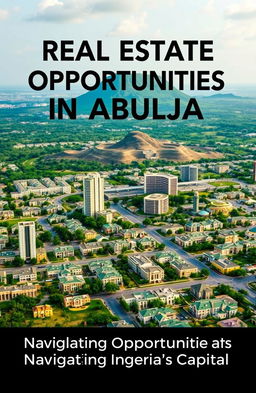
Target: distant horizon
[{"x": 238, "y": 89}]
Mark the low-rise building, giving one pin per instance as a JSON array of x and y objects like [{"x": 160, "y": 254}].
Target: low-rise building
[
  {"x": 109, "y": 229},
  {"x": 28, "y": 211},
  {"x": 167, "y": 295},
  {"x": 220, "y": 206},
  {"x": 251, "y": 233},
  {"x": 120, "y": 324},
  {"x": 116, "y": 245},
  {"x": 232, "y": 322},
  {"x": 6, "y": 214},
  {"x": 242, "y": 220},
  {"x": 146, "y": 242},
  {"x": 201, "y": 291},
  {"x": 105, "y": 271},
  {"x": 74, "y": 225},
  {"x": 3, "y": 241},
  {"x": 229, "y": 248},
  {"x": 70, "y": 283},
  {"x": 10, "y": 292},
  {"x": 76, "y": 301},
  {"x": 158, "y": 315},
  {"x": 193, "y": 238},
  {"x": 42, "y": 311},
  {"x": 64, "y": 252},
  {"x": 107, "y": 214},
  {"x": 207, "y": 225},
  {"x": 53, "y": 271},
  {"x": 3, "y": 277},
  {"x": 133, "y": 233},
  {"x": 37, "y": 202},
  {"x": 175, "y": 323},
  {"x": 87, "y": 248},
  {"x": 56, "y": 218},
  {"x": 89, "y": 234},
  {"x": 6, "y": 256},
  {"x": 41, "y": 255},
  {"x": 146, "y": 268},
  {"x": 183, "y": 268},
  {"x": 229, "y": 236},
  {"x": 26, "y": 274},
  {"x": 172, "y": 228},
  {"x": 220, "y": 307},
  {"x": 225, "y": 266}
]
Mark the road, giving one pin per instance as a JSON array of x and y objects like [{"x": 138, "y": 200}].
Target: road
[{"x": 214, "y": 277}]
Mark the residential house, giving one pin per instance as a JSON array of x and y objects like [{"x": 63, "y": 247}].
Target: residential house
[
  {"x": 76, "y": 301},
  {"x": 42, "y": 311}
]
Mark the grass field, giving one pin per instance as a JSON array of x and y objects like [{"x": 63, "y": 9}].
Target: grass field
[
  {"x": 16, "y": 220},
  {"x": 67, "y": 318},
  {"x": 221, "y": 183}
]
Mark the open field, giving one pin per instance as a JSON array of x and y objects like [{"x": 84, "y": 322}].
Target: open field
[{"x": 67, "y": 318}]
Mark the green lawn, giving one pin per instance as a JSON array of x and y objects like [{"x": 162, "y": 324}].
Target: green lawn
[
  {"x": 16, "y": 220},
  {"x": 221, "y": 183},
  {"x": 67, "y": 318}
]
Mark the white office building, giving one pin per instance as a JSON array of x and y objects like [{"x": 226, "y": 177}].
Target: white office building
[
  {"x": 93, "y": 190},
  {"x": 27, "y": 239}
]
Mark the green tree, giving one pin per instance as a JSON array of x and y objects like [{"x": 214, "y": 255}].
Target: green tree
[
  {"x": 111, "y": 287},
  {"x": 46, "y": 236}
]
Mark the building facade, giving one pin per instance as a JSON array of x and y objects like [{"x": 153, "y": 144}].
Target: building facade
[
  {"x": 163, "y": 183},
  {"x": 156, "y": 204},
  {"x": 188, "y": 173},
  {"x": 27, "y": 240},
  {"x": 93, "y": 191}
]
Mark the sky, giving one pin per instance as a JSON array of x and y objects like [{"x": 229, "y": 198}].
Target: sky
[{"x": 24, "y": 24}]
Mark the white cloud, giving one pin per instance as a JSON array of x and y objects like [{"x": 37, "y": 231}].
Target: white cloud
[
  {"x": 49, "y": 3},
  {"x": 79, "y": 10},
  {"x": 242, "y": 11},
  {"x": 130, "y": 26},
  {"x": 3, "y": 14},
  {"x": 240, "y": 27}
]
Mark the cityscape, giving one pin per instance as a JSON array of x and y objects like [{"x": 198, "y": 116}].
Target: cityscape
[{"x": 173, "y": 247}]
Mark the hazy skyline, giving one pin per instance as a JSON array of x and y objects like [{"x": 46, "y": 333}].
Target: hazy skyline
[{"x": 24, "y": 25}]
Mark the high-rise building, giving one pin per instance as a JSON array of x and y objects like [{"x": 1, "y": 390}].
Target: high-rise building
[
  {"x": 254, "y": 171},
  {"x": 196, "y": 202},
  {"x": 163, "y": 183},
  {"x": 188, "y": 173},
  {"x": 27, "y": 239},
  {"x": 156, "y": 204},
  {"x": 93, "y": 190}
]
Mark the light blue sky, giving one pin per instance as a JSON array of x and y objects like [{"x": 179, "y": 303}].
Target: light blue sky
[{"x": 24, "y": 24}]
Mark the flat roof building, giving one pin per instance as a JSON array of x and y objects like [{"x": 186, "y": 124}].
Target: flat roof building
[
  {"x": 160, "y": 182},
  {"x": 156, "y": 204}
]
